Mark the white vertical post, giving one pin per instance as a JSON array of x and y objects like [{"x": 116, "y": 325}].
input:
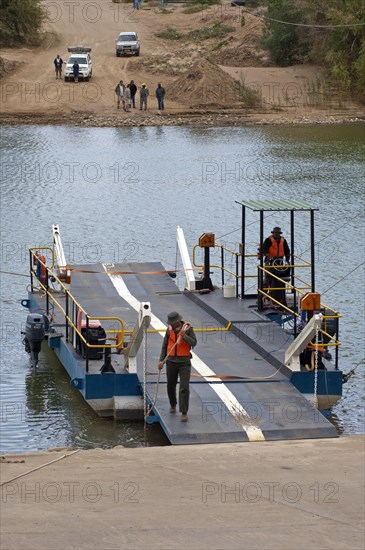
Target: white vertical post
[{"x": 184, "y": 253}]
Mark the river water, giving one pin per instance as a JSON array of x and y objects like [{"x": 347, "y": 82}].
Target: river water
[{"x": 118, "y": 195}]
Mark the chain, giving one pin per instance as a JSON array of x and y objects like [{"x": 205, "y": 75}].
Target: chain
[
  {"x": 315, "y": 390},
  {"x": 145, "y": 383}
]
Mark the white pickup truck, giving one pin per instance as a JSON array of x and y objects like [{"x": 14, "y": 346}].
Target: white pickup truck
[{"x": 82, "y": 56}]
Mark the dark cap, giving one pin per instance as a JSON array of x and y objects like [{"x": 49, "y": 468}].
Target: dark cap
[
  {"x": 173, "y": 317},
  {"x": 276, "y": 230}
]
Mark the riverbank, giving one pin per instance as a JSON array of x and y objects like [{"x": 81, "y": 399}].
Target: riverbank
[
  {"x": 207, "y": 83},
  {"x": 285, "y": 494},
  {"x": 195, "y": 118}
]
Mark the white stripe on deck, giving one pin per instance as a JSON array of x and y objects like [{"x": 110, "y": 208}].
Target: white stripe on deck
[{"x": 240, "y": 415}]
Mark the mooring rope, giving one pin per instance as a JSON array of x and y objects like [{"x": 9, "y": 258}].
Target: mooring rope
[{"x": 39, "y": 467}]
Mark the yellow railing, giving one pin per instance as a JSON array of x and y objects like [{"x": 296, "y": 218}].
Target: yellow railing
[
  {"x": 221, "y": 267},
  {"x": 285, "y": 285},
  {"x": 33, "y": 255},
  {"x": 196, "y": 329},
  {"x": 77, "y": 307}
]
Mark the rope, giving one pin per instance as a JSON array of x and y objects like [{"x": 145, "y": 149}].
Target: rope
[
  {"x": 230, "y": 376},
  {"x": 156, "y": 395},
  {"x": 13, "y": 273},
  {"x": 348, "y": 375},
  {"x": 39, "y": 467},
  {"x": 161, "y": 272},
  {"x": 314, "y": 26}
]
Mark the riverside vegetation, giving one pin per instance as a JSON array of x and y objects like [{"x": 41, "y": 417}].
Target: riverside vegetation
[{"x": 295, "y": 32}]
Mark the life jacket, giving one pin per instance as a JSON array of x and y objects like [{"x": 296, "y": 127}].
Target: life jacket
[
  {"x": 41, "y": 270},
  {"x": 276, "y": 249},
  {"x": 182, "y": 349}
]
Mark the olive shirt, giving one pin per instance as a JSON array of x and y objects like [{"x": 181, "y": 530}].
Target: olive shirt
[{"x": 189, "y": 337}]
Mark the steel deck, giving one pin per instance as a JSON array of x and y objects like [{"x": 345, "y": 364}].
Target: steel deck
[{"x": 259, "y": 404}]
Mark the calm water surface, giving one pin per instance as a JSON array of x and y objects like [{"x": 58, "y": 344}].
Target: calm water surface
[{"x": 118, "y": 194}]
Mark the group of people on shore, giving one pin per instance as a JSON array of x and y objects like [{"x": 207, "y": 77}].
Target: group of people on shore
[{"x": 126, "y": 95}]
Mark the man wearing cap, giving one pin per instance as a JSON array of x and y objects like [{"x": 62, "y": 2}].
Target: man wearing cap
[
  {"x": 175, "y": 351},
  {"x": 143, "y": 95}
]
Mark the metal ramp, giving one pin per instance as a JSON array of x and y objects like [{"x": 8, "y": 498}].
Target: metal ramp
[
  {"x": 258, "y": 403},
  {"x": 269, "y": 411}
]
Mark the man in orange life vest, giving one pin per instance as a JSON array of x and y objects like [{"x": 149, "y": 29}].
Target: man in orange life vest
[
  {"x": 275, "y": 247},
  {"x": 177, "y": 343}
]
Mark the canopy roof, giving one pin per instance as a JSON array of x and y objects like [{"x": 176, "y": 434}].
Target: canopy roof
[{"x": 278, "y": 205}]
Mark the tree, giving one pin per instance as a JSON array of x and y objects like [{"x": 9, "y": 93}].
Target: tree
[
  {"x": 281, "y": 39},
  {"x": 20, "y": 21},
  {"x": 332, "y": 34}
]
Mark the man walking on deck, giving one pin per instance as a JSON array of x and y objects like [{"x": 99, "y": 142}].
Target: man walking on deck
[{"x": 176, "y": 352}]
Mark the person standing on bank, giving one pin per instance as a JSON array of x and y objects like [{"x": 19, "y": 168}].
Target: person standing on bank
[
  {"x": 58, "y": 62},
  {"x": 120, "y": 91},
  {"x": 160, "y": 94},
  {"x": 143, "y": 95},
  {"x": 133, "y": 89},
  {"x": 176, "y": 352},
  {"x": 76, "y": 71},
  {"x": 127, "y": 98}
]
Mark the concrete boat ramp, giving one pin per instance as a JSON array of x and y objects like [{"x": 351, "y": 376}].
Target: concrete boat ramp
[
  {"x": 272, "y": 495},
  {"x": 239, "y": 391}
]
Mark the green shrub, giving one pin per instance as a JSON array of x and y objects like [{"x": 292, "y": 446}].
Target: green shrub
[
  {"x": 169, "y": 34},
  {"x": 20, "y": 21},
  {"x": 219, "y": 45},
  {"x": 217, "y": 30},
  {"x": 282, "y": 40}
]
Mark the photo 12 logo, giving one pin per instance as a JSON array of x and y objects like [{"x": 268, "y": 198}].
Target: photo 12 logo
[
  {"x": 90, "y": 12},
  {"x": 70, "y": 492}
]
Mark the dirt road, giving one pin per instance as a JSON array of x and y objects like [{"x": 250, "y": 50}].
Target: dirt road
[{"x": 31, "y": 92}]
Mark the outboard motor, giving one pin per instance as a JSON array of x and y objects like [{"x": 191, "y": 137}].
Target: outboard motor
[{"x": 34, "y": 335}]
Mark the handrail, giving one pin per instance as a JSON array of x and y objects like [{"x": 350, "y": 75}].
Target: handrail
[
  {"x": 43, "y": 248},
  {"x": 237, "y": 254},
  {"x": 78, "y": 306},
  {"x": 196, "y": 329},
  {"x": 222, "y": 267},
  {"x": 332, "y": 340},
  {"x": 287, "y": 284}
]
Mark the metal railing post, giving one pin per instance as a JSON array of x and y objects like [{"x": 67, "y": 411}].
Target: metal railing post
[
  {"x": 31, "y": 269},
  {"x": 295, "y": 311},
  {"x": 87, "y": 342},
  {"x": 236, "y": 276},
  {"x": 47, "y": 291},
  {"x": 243, "y": 259},
  {"x": 260, "y": 272},
  {"x": 67, "y": 316},
  {"x": 222, "y": 263},
  {"x": 337, "y": 338}
]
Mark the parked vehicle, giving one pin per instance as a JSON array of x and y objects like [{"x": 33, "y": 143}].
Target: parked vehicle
[
  {"x": 82, "y": 56},
  {"x": 127, "y": 44}
]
